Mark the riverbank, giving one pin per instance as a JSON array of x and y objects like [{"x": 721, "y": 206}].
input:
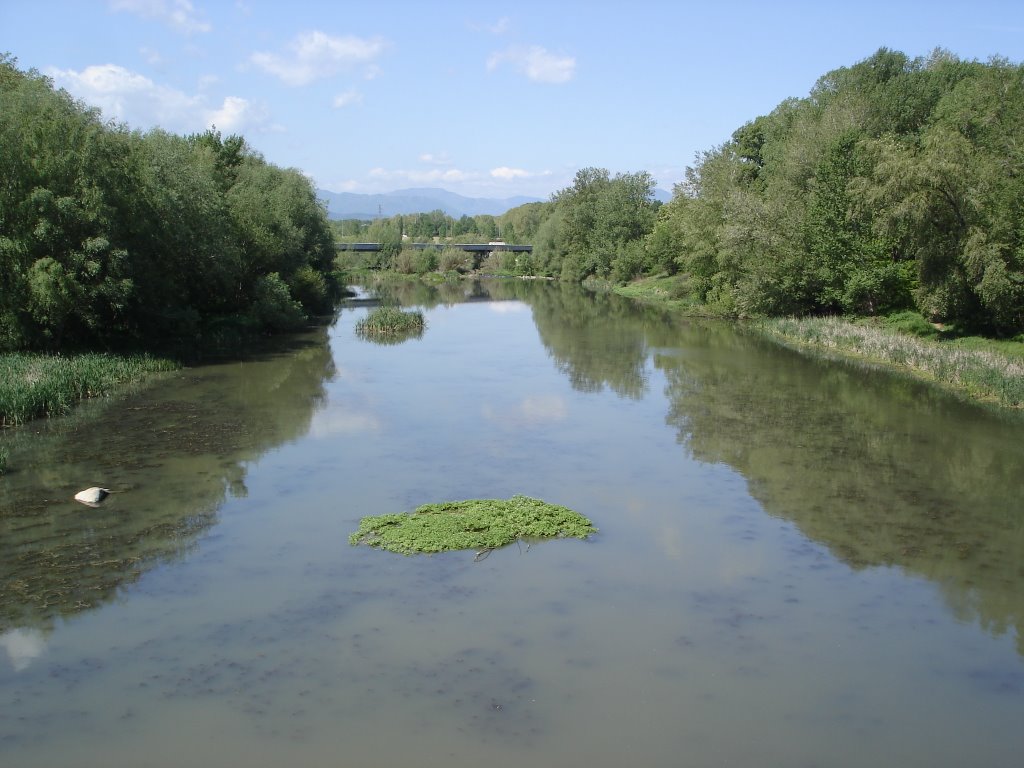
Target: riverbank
[
  {"x": 34, "y": 385},
  {"x": 975, "y": 368},
  {"x": 979, "y": 369}
]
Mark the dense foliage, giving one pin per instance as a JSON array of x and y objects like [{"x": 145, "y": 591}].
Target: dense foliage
[
  {"x": 110, "y": 237},
  {"x": 896, "y": 184}
]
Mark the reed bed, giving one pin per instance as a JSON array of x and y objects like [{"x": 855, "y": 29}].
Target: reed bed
[
  {"x": 981, "y": 374},
  {"x": 390, "y": 322},
  {"x": 34, "y": 385}
]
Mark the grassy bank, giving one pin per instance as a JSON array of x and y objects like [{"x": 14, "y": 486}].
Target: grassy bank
[
  {"x": 671, "y": 291},
  {"x": 981, "y": 369},
  {"x": 33, "y": 385},
  {"x": 986, "y": 370}
]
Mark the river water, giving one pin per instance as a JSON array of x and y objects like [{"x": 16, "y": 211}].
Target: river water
[{"x": 799, "y": 563}]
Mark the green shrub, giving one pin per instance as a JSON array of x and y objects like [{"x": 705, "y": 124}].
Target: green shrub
[
  {"x": 912, "y": 323},
  {"x": 455, "y": 260},
  {"x": 273, "y": 306},
  {"x": 425, "y": 261},
  {"x": 630, "y": 261},
  {"x": 309, "y": 287},
  {"x": 403, "y": 262}
]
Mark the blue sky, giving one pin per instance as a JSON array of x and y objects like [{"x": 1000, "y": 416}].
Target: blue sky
[{"x": 482, "y": 98}]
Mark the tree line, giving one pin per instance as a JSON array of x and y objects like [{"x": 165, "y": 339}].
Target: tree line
[
  {"x": 896, "y": 184},
  {"x": 111, "y": 238},
  {"x": 423, "y": 227}
]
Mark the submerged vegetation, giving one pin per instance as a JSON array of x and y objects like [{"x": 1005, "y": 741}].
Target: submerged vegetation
[
  {"x": 390, "y": 325},
  {"x": 481, "y": 524},
  {"x": 33, "y": 385}
]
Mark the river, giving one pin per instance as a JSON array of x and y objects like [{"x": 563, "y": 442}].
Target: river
[{"x": 799, "y": 563}]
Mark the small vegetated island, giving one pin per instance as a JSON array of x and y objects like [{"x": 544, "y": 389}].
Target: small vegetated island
[
  {"x": 480, "y": 524},
  {"x": 391, "y": 325}
]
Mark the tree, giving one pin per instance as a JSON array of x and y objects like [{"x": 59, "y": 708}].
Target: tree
[
  {"x": 599, "y": 215},
  {"x": 109, "y": 236}
]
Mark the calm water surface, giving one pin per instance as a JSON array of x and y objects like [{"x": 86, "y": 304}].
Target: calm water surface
[{"x": 798, "y": 564}]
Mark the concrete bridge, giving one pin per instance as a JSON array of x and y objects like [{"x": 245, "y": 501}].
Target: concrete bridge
[{"x": 471, "y": 247}]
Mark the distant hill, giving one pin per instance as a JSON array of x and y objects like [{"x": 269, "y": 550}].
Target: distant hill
[{"x": 349, "y": 205}]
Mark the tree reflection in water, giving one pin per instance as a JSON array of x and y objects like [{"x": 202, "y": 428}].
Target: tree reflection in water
[{"x": 171, "y": 454}]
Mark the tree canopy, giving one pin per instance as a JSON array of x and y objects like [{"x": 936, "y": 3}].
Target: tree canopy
[
  {"x": 111, "y": 237},
  {"x": 896, "y": 183}
]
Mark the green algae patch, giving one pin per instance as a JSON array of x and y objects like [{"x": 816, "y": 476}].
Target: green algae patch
[{"x": 481, "y": 524}]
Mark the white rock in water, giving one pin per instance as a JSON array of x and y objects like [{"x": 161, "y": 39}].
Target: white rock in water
[{"x": 92, "y": 496}]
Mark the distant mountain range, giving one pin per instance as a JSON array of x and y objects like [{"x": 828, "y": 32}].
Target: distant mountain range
[{"x": 350, "y": 205}]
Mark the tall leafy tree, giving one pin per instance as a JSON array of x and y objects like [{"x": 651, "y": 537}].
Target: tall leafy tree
[{"x": 109, "y": 236}]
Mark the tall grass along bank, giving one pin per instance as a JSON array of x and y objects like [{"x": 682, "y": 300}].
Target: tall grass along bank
[
  {"x": 33, "y": 385},
  {"x": 981, "y": 374}
]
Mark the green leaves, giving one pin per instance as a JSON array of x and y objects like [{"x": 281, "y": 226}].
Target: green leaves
[
  {"x": 390, "y": 325},
  {"x": 481, "y": 524},
  {"x": 112, "y": 237},
  {"x": 898, "y": 182},
  {"x": 599, "y": 215}
]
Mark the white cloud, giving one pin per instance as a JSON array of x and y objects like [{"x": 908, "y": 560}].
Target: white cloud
[
  {"x": 349, "y": 98},
  {"x": 440, "y": 158},
  {"x": 505, "y": 172},
  {"x": 129, "y": 97},
  {"x": 430, "y": 176},
  {"x": 538, "y": 64},
  {"x": 500, "y": 27},
  {"x": 236, "y": 114},
  {"x": 179, "y": 14},
  {"x": 315, "y": 55},
  {"x": 152, "y": 56}
]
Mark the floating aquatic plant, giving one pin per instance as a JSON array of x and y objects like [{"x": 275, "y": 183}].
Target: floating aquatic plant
[{"x": 481, "y": 524}]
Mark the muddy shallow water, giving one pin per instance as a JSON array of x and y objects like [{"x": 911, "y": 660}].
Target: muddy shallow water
[{"x": 798, "y": 563}]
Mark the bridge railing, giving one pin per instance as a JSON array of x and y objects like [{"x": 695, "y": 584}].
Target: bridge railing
[{"x": 471, "y": 247}]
